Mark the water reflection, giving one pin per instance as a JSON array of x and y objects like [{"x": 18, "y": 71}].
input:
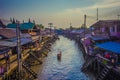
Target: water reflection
[{"x": 69, "y": 66}]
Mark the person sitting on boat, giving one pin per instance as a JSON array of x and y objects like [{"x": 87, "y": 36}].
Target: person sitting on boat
[{"x": 59, "y": 56}]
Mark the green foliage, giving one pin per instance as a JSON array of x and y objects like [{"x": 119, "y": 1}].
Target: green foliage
[{"x": 40, "y": 25}]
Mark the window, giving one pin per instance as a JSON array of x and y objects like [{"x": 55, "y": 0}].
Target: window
[{"x": 112, "y": 29}]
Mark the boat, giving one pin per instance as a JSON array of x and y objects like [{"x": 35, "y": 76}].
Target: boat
[{"x": 59, "y": 56}]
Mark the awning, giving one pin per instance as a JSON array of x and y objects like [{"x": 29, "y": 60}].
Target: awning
[{"x": 110, "y": 46}]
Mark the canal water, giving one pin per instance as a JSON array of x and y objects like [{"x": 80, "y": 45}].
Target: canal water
[{"x": 69, "y": 66}]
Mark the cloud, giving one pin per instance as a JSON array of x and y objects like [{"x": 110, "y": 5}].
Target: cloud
[
  {"x": 76, "y": 15},
  {"x": 102, "y": 4},
  {"x": 105, "y": 4}
]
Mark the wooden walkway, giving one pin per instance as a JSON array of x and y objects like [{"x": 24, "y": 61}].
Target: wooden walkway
[{"x": 14, "y": 63}]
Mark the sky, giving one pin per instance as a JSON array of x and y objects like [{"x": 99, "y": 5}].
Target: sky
[{"x": 59, "y": 12}]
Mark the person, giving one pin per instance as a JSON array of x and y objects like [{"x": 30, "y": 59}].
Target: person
[
  {"x": 113, "y": 61},
  {"x": 1, "y": 69},
  {"x": 59, "y": 56},
  {"x": 91, "y": 50},
  {"x": 107, "y": 55}
]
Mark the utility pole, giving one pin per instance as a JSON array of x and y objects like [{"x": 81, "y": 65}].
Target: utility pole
[
  {"x": 84, "y": 24},
  {"x": 39, "y": 36},
  {"x": 97, "y": 14},
  {"x": 50, "y": 25},
  {"x": 70, "y": 26},
  {"x": 118, "y": 16},
  {"x": 19, "y": 56}
]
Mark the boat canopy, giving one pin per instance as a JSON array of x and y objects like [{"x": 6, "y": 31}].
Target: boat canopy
[{"x": 110, "y": 46}]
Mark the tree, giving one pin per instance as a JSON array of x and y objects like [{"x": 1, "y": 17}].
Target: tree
[
  {"x": 13, "y": 21},
  {"x": 40, "y": 26}
]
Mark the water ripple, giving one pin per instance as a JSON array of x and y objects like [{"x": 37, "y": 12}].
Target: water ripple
[{"x": 69, "y": 66}]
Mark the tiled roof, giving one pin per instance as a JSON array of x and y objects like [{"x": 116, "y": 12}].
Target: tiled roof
[
  {"x": 13, "y": 43},
  {"x": 7, "y": 33},
  {"x": 106, "y": 23}
]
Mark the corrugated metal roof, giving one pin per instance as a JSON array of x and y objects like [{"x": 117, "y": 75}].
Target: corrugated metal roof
[
  {"x": 7, "y": 33},
  {"x": 13, "y": 42},
  {"x": 106, "y": 23},
  {"x": 8, "y": 43}
]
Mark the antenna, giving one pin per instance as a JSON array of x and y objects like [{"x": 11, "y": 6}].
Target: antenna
[
  {"x": 118, "y": 16},
  {"x": 97, "y": 14}
]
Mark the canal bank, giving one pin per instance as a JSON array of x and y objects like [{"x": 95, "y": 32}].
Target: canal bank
[
  {"x": 69, "y": 66},
  {"x": 94, "y": 49}
]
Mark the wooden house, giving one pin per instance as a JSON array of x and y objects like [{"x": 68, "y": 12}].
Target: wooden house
[
  {"x": 26, "y": 27},
  {"x": 108, "y": 27},
  {"x": 9, "y": 39},
  {"x": 4, "y": 59}
]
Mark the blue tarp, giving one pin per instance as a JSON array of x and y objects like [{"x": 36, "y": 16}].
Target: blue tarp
[{"x": 110, "y": 46}]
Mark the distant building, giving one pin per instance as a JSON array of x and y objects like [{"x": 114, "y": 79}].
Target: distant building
[
  {"x": 6, "y": 33},
  {"x": 27, "y": 27},
  {"x": 110, "y": 27}
]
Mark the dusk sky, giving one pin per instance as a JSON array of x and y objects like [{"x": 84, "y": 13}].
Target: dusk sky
[{"x": 60, "y": 12}]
